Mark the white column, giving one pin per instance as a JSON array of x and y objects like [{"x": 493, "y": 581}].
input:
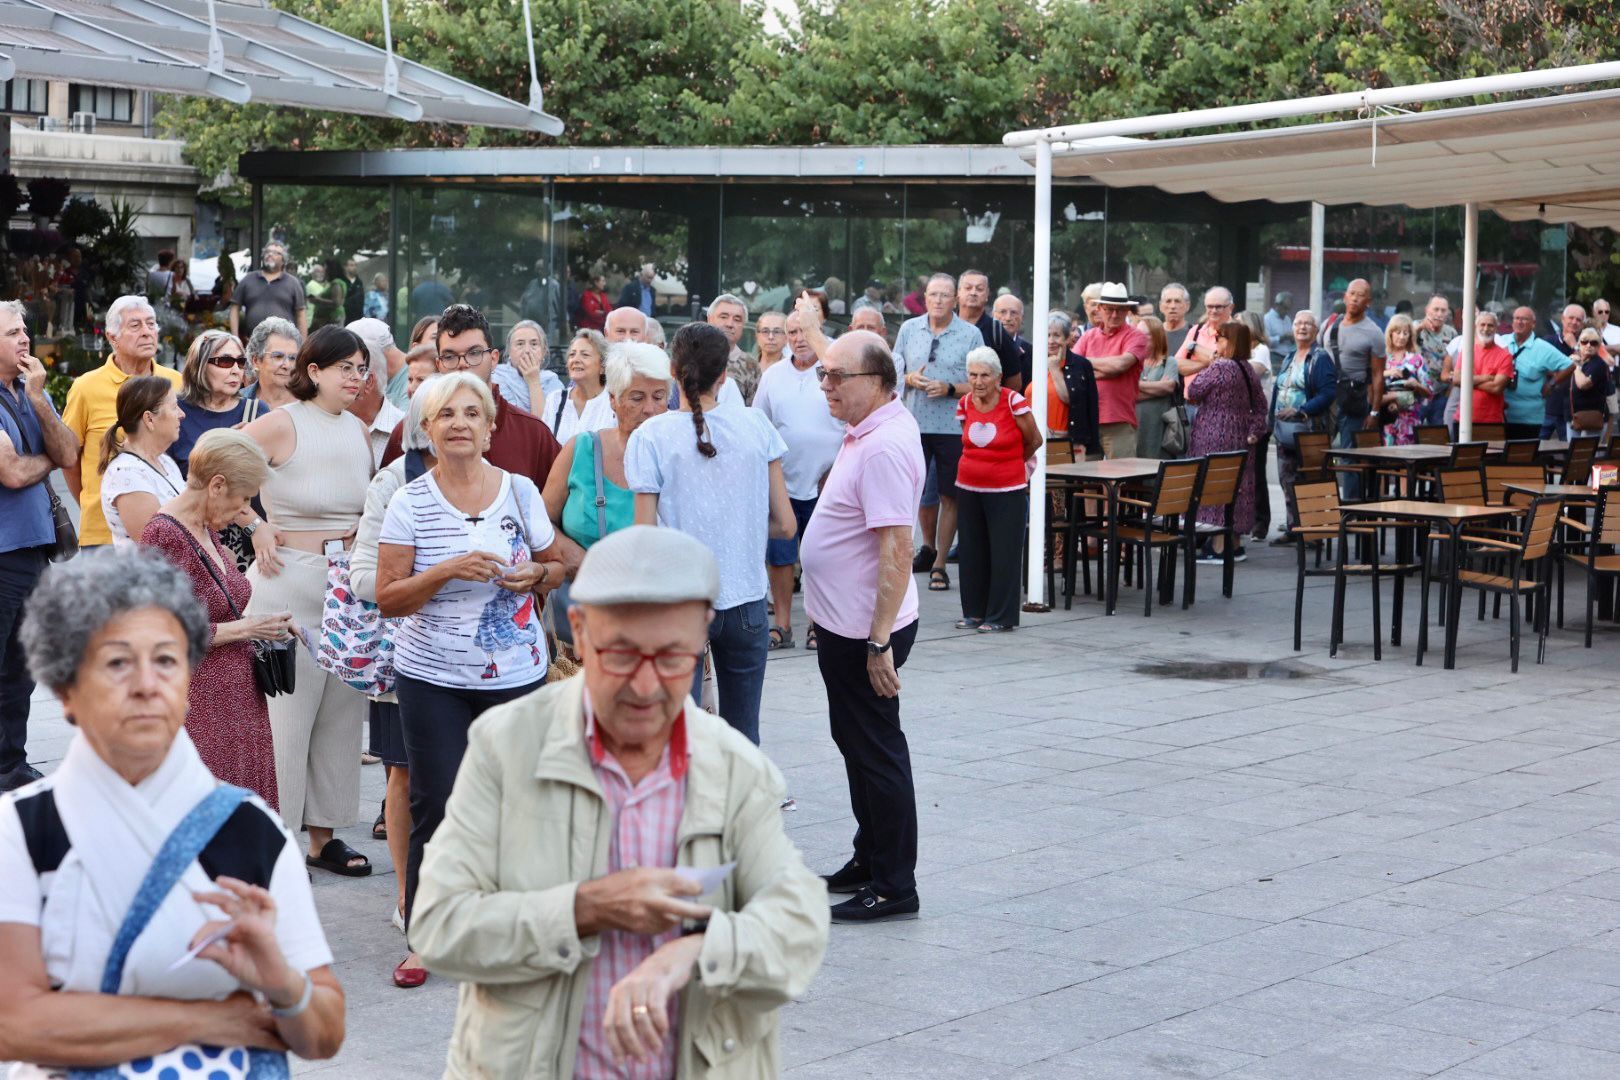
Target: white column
[
  {"x": 1318, "y": 231},
  {"x": 1470, "y": 276},
  {"x": 1040, "y": 305}
]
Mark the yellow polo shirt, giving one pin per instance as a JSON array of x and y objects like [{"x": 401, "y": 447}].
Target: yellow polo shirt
[{"x": 92, "y": 408}]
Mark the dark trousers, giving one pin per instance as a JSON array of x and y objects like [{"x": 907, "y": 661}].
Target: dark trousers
[
  {"x": 434, "y": 720},
  {"x": 990, "y": 541},
  {"x": 866, "y": 728},
  {"x": 20, "y": 571},
  {"x": 1522, "y": 431},
  {"x": 1262, "y": 489},
  {"x": 1349, "y": 483},
  {"x": 739, "y": 643}
]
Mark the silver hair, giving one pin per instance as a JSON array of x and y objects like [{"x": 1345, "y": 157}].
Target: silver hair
[
  {"x": 986, "y": 357},
  {"x": 1223, "y": 290},
  {"x": 415, "y": 435},
  {"x": 116, "y": 310},
  {"x": 75, "y": 600},
  {"x": 1060, "y": 320},
  {"x": 1186, "y": 294},
  {"x": 445, "y": 387},
  {"x": 1309, "y": 314},
  {"x": 15, "y": 307},
  {"x": 275, "y": 326},
  {"x": 628, "y": 359},
  {"x": 655, "y": 332},
  {"x": 940, "y": 276},
  {"x": 527, "y": 324},
  {"x": 728, "y": 298}
]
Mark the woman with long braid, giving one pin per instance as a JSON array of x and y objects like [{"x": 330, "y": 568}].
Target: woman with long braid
[{"x": 715, "y": 471}]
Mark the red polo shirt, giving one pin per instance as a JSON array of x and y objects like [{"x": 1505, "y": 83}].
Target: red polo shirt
[{"x": 521, "y": 444}]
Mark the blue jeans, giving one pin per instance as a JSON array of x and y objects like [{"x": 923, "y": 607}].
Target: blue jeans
[
  {"x": 739, "y": 641},
  {"x": 1350, "y": 486},
  {"x": 20, "y": 571}
]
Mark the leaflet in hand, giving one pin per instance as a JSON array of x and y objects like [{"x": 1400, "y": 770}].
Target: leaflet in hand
[{"x": 707, "y": 878}]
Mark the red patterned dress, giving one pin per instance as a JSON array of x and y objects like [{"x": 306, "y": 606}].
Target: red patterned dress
[{"x": 228, "y": 718}]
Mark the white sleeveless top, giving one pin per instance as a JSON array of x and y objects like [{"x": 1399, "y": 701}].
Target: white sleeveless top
[{"x": 322, "y": 486}]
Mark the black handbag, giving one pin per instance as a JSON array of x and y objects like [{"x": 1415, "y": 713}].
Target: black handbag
[
  {"x": 66, "y": 544},
  {"x": 274, "y": 669}
]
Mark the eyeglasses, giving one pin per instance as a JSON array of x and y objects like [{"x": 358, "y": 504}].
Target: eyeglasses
[
  {"x": 228, "y": 361},
  {"x": 450, "y": 361},
  {"x": 1216, "y": 307},
  {"x": 770, "y": 332},
  {"x": 346, "y": 369},
  {"x": 280, "y": 357},
  {"x": 667, "y": 665},
  {"x": 836, "y": 378}
]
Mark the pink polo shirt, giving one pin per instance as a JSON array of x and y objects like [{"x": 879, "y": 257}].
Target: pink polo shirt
[{"x": 876, "y": 482}]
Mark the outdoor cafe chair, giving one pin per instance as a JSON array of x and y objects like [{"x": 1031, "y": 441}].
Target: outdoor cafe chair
[
  {"x": 1319, "y": 519},
  {"x": 1064, "y": 515},
  {"x": 1161, "y": 523},
  {"x": 1359, "y": 440},
  {"x": 1313, "y": 449},
  {"x": 1498, "y": 476},
  {"x": 1490, "y": 432},
  {"x": 1433, "y": 435},
  {"x": 1222, "y": 479},
  {"x": 1577, "y": 464},
  {"x": 1596, "y": 551},
  {"x": 1520, "y": 451},
  {"x": 1468, "y": 455},
  {"x": 1527, "y": 573}
]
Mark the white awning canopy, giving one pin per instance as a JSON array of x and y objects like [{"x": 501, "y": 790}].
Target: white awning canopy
[
  {"x": 1555, "y": 158},
  {"x": 265, "y": 56}
]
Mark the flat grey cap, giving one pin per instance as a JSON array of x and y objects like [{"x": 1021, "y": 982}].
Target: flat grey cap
[
  {"x": 378, "y": 339},
  {"x": 645, "y": 564}
]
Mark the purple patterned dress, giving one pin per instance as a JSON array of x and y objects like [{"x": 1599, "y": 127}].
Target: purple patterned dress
[{"x": 1231, "y": 408}]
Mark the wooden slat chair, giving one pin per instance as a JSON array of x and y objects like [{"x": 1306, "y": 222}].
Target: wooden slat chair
[
  {"x": 1313, "y": 447},
  {"x": 1433, "y": 435},
  {"x": 1497, "y": 477},
  {"x": 1222, "y": 479},
  {"x": 1468, "y": 455},
  {"x": 1158, "y": 526},
  {"x": 1577, "y": 464},
  {"x": 1596, "y": 552},
  {"x": 1490, "y": 432},
  {"x": 1520, "y": 451},
  {"x": 1319, "y": 520},
  {"x": 1528, "y": 573},
  {"x": 1066, "y": 516}
]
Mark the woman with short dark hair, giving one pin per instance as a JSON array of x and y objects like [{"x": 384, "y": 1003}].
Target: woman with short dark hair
[
  {"x": 715, "y": 471},
  {"x": 130, "y": 854}
]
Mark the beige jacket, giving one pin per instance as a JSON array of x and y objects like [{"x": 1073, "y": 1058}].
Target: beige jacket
[{"x": 527, "y": 822}]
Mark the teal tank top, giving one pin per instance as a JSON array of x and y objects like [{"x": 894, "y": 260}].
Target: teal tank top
[{"x": 579, "y": 511}]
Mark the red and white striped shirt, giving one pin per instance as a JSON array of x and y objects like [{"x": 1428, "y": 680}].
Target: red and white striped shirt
[{"x": 646, "y": 825}]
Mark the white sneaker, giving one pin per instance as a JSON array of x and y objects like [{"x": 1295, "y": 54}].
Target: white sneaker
[{"x": 399, "y": 919}]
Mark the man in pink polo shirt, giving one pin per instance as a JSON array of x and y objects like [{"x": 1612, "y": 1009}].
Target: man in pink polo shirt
[
  {"x": 1116, "y": 351},
  {"x": 862, "y": 600}
]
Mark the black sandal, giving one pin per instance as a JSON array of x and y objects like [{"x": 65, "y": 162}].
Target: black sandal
[
  {"x": 939, "y": 580},
  {"x": 336, "y": 857},
  {"x": 379, "y": 828},
  {"x": 810, "y": 639}
]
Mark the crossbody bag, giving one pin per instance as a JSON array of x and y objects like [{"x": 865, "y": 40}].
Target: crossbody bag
[{"x": 66, "y": 544}]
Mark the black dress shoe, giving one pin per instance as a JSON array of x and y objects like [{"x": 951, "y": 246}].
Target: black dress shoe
[
  {"x": 849, "y": 878},
  {"x": 21, "y": 776},
  {"x": 865, "y": 906}
]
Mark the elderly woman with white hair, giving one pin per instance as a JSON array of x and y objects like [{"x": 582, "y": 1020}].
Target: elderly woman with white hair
[
  {"x": 92, "y": 404},
  {"x": 523, "y": 378},
  {"x": 272, "y": 353},
  {"x": 585, "y": 404},
  {"x": 999, "y": 435},
  {"x": 387, "y": 737},
  {"x": 154, "y": 921},
  {"x": 465, "y": 550}
]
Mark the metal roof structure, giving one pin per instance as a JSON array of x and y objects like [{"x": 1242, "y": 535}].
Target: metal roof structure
[
  {"x": 240, "y": 51},
  {"x": 1554, "y": 159}
]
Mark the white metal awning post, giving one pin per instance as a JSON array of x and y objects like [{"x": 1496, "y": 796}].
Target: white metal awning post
[
  {"x": 1040, "y": 304},
  {"x": 1465, "y": 390},
  {"x": 1318, "y": 234}
]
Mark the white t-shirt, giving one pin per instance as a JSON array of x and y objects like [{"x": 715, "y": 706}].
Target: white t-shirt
[
  {"x": 129, "y": 472},
  {"x": 1260, "y": 360},
  {"x": 725, "y": 500},
  {"x": 471, "y": 634},
  {"x": 597, "y": 414},
  {"x": 792, "y": 401}
]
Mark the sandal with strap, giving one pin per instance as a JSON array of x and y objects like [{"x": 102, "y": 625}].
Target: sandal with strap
[
  {"x": 336, "y": 857},
  {"x": 810, "y": 639},
  {"x": 938, "y": 580},
  {"x": 781, "y": 638}
]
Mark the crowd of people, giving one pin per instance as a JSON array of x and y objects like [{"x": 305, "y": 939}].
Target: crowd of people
[{"x": 307, "y": 487}]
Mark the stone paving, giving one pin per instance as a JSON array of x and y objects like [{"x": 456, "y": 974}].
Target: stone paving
[{"x": 1350, "y": 870}]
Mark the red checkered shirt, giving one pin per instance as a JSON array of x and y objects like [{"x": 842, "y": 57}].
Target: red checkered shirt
[{"x": 646, "y": 824}]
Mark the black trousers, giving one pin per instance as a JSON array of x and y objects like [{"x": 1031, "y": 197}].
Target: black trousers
[
  {"x": 866, "y": 728},
  {"x": 1262, "y": 490},
  {"x": 1522, "y": 431},
  {"x": 990, "y": 544},
  {"x": 434, "y": 720},
  {"x": 20, "y": 571}
]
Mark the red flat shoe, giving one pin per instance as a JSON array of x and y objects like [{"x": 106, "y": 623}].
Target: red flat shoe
[{"x": 409, "y": 978}]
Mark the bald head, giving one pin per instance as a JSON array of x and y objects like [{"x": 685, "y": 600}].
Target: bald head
[
  {"x": 1357, "y": 295},
  {"x": 625, "y": 324},
  {"x": 860, "y": 376}
]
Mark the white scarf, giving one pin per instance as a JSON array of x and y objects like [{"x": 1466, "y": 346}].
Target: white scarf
[{"x": 115, "y": 831}]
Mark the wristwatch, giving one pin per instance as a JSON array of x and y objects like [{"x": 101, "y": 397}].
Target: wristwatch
[{"x": 875, "y": 649}]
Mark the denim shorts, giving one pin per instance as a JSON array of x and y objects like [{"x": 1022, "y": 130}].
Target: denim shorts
[{"x": 786, "y": 552}]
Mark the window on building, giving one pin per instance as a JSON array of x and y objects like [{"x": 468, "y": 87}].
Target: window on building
[
  {"x": 26, "y": 95},
  {"x": 113, "y": 104}
]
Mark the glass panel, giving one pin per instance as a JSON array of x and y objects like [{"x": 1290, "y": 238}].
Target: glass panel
[
  {"x": 329, "y": 224},
  {"x": 610, "y": 230}
]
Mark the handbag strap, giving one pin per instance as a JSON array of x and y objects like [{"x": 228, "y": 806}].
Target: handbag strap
[
  {"x": 22, "y": 432},
  {"x": 208, "y": 563},
  {"x": 178, "y": 852},
  {"x": 562, "y": 403},
  {"x": 601, "y": 494},
  {"x": 161, "y": 474}
]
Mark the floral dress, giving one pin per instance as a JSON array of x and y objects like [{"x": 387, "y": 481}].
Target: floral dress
[{"x": 1408, "y": 368}]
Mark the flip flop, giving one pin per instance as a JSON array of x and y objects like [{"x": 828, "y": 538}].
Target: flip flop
[
  {"x": 938, "y": 580},
  {"x": 781, "y": 638},
  {"x": 336, "y": 856}
]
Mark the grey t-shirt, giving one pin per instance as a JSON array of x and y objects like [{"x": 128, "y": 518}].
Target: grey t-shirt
[
  {"x": 1358, "y": 343},
  {"x": 260, "y": 299}
]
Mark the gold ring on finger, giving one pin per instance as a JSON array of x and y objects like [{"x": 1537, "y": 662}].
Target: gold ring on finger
[{"x": 639, "y": 1010}]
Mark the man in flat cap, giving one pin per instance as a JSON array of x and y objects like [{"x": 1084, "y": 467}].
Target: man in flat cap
[{"x": 612, "y": 883}]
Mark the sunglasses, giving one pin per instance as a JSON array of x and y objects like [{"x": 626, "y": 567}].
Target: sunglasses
[{"x": 228, "y": 361}]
